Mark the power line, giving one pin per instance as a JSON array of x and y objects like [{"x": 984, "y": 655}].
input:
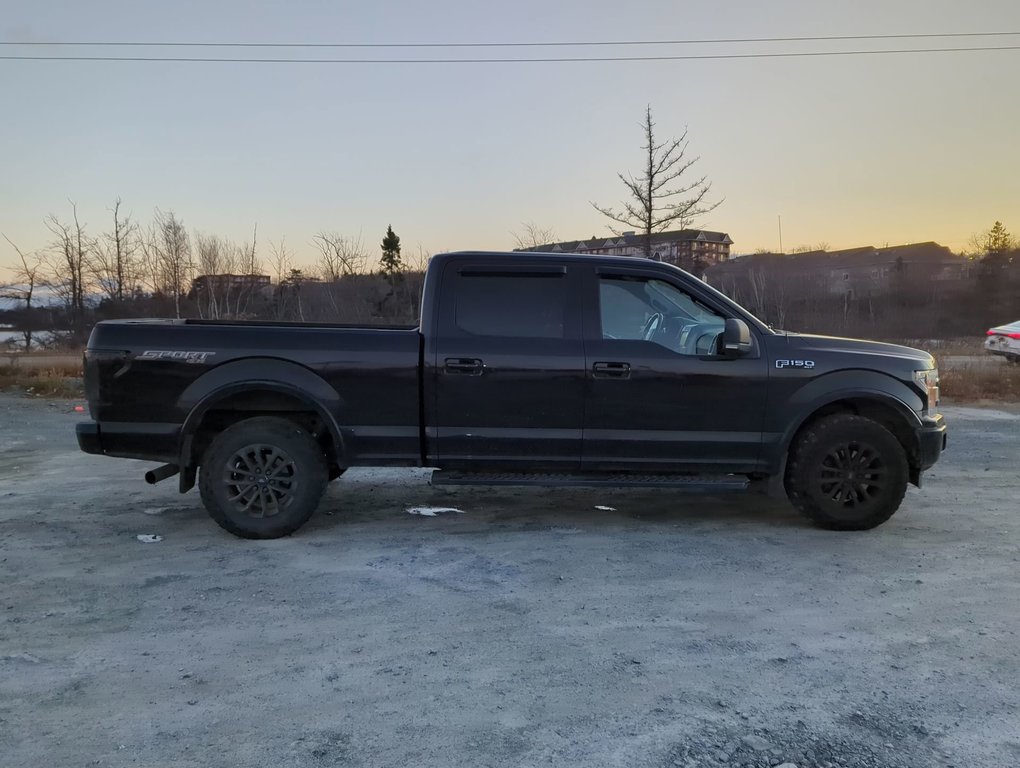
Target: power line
[
  {"x": 549, "y": 60},
  {"x": 534, "y": 44}
]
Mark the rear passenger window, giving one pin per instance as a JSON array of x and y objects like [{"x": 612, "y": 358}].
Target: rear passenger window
[{"x": 521, "y": 306}]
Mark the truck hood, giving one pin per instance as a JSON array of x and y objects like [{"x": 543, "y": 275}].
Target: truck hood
[{"x": 806, "y": 342}]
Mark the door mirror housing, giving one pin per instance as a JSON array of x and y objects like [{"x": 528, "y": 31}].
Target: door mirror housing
[{"x": 736, "y": 338}]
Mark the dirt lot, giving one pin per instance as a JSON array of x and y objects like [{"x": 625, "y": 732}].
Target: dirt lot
[{"x": 530, "y": 630}]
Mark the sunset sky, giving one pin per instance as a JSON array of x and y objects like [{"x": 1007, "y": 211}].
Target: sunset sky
[{"x": 849, "y": 150}]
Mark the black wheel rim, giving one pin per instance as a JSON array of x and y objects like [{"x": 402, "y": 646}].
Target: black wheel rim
[
  {"x": 261, "y": 480},
  {"x": 851, "y": 475}
]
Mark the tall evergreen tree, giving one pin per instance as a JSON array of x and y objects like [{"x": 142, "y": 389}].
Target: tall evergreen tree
[
  {"x": 997, "y": 291},
  {"x": 998, "y": 240},
  {"x": 391, "y": 262}
]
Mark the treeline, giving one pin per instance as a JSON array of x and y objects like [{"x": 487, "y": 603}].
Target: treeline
[
  {"x": 160, "y": 269},
  {"x": 912, "y": 303}
]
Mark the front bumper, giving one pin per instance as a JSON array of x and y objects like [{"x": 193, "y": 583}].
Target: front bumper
[{"x": 931, "y": 441}]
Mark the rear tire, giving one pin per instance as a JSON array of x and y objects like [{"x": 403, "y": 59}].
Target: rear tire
[
  {"x": 847, "y": 473},
  {"x": 262, "y": 478}
]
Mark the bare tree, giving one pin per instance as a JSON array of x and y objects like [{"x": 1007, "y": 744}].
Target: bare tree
[
  {"x": 215, "y": 256},
  {"x": 820, "y": 246},
  {"x": 532, "y": 236},
  {"x": 287, "y": 294},
  {"x": 27, "y": 277},
  {"x": 339, "y": 255},
  {"x": 250, "y": 268},
  {"x": 408, "y": 290},
  {"x": 769, "y": 295},
  {"x": 419, "y": 260},
  {"x": 281, "y": 260},
  {"x": 167, "y": 251},
  {"x": 114, "y": 262},
  {"x": 229, "y": 278},
  {"x": 662, "y": 197},
  {"x": 148, "y": 265},
  {"x": 758, "y": 290},
  {"x": 216, "y": 265},
  {"x": 70, "y": 254}
]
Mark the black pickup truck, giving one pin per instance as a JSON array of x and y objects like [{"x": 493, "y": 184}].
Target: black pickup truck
[{"x": 525, "y": 369}]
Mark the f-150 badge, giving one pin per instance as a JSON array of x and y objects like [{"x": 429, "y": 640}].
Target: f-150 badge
[
  {"x": 795, "y": 363},
  {"x": 177, "y": 356}
]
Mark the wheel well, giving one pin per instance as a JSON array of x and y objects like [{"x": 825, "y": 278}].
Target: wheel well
[
  {"x": 877, "y": 411},
  {"x": 263, "y": 402}
]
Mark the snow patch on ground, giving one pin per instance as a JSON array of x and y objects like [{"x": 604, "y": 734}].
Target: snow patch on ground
[{"x": 433, "y": 511}]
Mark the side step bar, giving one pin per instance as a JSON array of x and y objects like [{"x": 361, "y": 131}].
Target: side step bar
[{"x": 689, "y": 483}]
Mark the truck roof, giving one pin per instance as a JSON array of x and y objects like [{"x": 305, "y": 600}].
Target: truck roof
[{"x": 561, "y": 257}]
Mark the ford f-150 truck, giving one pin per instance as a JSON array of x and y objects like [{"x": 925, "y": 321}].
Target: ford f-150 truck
[{"x": 524, "y": 369}]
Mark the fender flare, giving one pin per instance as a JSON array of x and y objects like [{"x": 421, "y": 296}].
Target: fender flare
[
  {"x": 840, "y": 386},
  {"x": 777, "y": 474},
  {"x": 265, "y": 374},
  {"x": 895, "y": 404}
]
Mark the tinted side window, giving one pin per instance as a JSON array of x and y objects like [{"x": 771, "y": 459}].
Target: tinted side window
[
  {"x": 521, "y": 306},
  {"x": 624, "y": 309},
  {"x": 657, "y": 312}
]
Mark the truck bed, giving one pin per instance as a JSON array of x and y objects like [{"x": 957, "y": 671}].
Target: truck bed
[{"x": 148, "y": 375}]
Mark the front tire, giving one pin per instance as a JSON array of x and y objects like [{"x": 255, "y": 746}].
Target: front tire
[
  {"x": 262, "y": 478},
  {"x": 847, "y": 473}
]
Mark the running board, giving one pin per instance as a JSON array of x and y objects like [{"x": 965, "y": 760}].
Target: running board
[{"x": 689, "y": 483}]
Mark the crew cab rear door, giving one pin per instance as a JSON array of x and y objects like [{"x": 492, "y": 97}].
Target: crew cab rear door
[{"x": 506, "y": 372}]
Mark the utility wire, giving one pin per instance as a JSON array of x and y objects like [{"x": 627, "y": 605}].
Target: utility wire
[
  {"x": 577, "y": 43},
  {"x": 789, "y": 54}
]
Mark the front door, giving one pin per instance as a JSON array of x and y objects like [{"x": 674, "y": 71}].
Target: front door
[
  {"x": 508, "y": 369},
  {"x": 660, "y": 397}
]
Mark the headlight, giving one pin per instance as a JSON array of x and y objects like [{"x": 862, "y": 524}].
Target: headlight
[{"x": 928, "y": 381}]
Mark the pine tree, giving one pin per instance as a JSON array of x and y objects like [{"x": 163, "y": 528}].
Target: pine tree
[
  {"x": 994, "y": 284},
  {"x": 998, "y": 240},
  {"x": 391, "y": 263}
]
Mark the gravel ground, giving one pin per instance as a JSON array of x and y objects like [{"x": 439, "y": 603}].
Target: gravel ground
[{"x": 531, "y": 630}]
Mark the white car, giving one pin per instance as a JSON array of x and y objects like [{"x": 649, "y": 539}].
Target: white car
[{"x": 1004, "y": 340}]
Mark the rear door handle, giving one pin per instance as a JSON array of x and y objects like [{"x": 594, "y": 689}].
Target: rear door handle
[
  {"x": 611, "y": 371},
  {"x": 465, "y": 366}
]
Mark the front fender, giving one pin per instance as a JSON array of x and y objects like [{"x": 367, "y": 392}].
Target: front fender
[{"x": 833, "y": 388}]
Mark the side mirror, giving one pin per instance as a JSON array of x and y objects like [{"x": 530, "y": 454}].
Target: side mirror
[{"x": 736, "y": 338}]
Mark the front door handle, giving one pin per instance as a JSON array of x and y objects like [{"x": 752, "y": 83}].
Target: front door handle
[
  {"x": 611, "y": 371},
  {"x": 465, "y": 366}
]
